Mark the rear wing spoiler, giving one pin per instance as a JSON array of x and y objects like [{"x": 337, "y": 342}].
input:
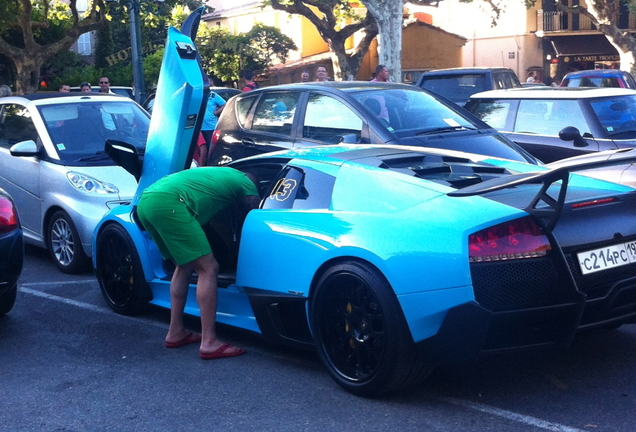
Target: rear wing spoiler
[{"x": 557, "y": 171}]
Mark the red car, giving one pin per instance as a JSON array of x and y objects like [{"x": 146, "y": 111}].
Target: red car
[{"x": 11, "y": 252}]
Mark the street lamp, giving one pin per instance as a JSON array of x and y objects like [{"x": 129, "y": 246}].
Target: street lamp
[{"x": 134, "y": 7}]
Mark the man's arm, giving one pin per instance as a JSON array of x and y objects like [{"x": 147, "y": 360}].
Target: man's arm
[{"x": 251, "y": 201}]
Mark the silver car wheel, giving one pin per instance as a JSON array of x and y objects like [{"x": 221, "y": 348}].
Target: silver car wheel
[{"x": 65, "y": 245}]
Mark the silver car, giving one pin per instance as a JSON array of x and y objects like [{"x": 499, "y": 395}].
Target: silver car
[{"x": 52, "y": 162}]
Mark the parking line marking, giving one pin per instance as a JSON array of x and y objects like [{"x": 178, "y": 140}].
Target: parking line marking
[
  {"x": 520, "y": 418},
  {"x": 87, "y": 306}
]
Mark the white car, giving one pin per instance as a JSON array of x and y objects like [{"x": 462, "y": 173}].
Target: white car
[{"x": 52, "y": 162}]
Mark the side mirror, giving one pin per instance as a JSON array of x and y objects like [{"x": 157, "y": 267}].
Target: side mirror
[
  {"x": 25, "y": 148},
  {"x": 125, "y": 155},
  {"x": 570, "y": 133}
]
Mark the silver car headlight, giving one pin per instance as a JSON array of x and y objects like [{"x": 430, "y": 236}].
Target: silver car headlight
[{"x": 89, "y": 184}]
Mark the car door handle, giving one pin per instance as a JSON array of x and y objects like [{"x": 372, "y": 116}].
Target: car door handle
[{"x": 248, "y": 142}]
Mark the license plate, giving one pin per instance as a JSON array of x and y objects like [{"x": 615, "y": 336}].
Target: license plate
[{"x": 607, "y": 257}]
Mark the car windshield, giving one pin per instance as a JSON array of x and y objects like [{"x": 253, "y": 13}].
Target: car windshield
[
  {"x": 411, "y": 112},
  {"x": 617, "y": 115},
  {"x": 457, "y": 88},
  {"x": 79, "y": 130}
]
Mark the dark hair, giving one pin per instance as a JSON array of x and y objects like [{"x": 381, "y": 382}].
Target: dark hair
[
  {"x": 85, "y": 84},
  {"x": 248, "y": 74},
  {"x": 378, "y": 69}
]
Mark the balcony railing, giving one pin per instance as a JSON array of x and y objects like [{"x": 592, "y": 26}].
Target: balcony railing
[{"x": 557, "y": 21}]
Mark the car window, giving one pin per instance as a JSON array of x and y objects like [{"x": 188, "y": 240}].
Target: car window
[
  {"x": 275, "y": 112},
  {"x": 80, "y": 129},
  {"x": 328, "y": 120},
  {"x": 495, "y": 113},
  {"x": 301, "y": 189},
  {"x": 616, "y": 114},
  {"x": 629, "y": 81},
  {"x": 548, "y": 117},
  {"x": 499, "y": 82},
  {"x": 16, "y": 125},
  {"x": 243, "y": 107}
]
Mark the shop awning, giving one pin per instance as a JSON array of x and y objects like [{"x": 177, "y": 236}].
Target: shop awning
[{"x": 591, "y": 46}]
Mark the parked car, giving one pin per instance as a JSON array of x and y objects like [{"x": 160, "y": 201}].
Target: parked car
[
  {"x": 54, "y": 166},
  {"x": 11, "y": 252},
  {"x": 225, "y": 92},
  {"x": 559, "y": 123},
  {"x": 310, "y": 114},
  {"x": 599, "y": 78},
  {"x": 458, "y": 84},
  {"x": 386, "y": 259},
  {"x": 120, "y": 90}
]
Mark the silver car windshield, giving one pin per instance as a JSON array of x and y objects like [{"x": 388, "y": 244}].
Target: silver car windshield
[
  {"x": 409, "y": 113},
  {"x": 617, "y": 115},
  {"x": 80, "y": 130}
]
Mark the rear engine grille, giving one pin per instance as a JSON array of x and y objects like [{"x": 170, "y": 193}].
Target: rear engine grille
[{"x": 518, "y": 284}]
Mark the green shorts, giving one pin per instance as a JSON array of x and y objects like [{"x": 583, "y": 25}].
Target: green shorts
[{"x": 173, "y": 227}]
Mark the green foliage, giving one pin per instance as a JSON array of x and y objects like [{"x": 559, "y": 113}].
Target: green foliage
[
  {"x": 152, "y": 65},
  {"x": 224, "y": 55},
  {"x": 264, "y": 44},
  {"x": 103, "y": 47}
]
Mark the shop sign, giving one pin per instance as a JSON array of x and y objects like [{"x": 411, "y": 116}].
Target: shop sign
[{"x": 592, "y": 58}]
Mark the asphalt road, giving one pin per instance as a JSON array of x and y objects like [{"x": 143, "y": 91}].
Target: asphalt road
[{"x": 68, "y": 363}]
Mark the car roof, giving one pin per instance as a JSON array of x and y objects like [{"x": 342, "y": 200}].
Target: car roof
[
  {"x": 596, "y": 72},
  {"x": 554, "y": 93},
  {"x": 463, "y": 70},
  {"x": 56, "y": 95},
  {"x": 346, "y": 86},
  {"x": 52, "y": 98},
  {"x": 355, "y": 152}
]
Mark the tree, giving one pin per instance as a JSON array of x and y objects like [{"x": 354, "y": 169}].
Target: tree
[
  {"x": 604, "y": 14},
  {"x": 264, "y": 44},
  {"x": 389, "y": 18},
  {"x": 32, "y": 31},
  {"x": 328, "y": 17}
]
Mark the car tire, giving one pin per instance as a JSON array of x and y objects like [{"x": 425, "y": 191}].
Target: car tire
[
  {"x": 64, "y": 244},
  {"x": 360, "y": 332},
  {"x": 119, "y": 272},
  {"x": 7, "y": 300}
]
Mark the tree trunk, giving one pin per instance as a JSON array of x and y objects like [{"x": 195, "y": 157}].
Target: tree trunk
[
  {"x": 28, "y": 76},
  {"x": 389, "y": 16}
]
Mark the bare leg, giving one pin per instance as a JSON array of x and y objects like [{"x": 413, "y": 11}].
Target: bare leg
[
  {"x": 178, "y": 296},
  {"x": 207, "y": 269}
]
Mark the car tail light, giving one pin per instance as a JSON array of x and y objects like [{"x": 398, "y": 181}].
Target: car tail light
[
  {"x": 215, "y": 139},
  {"x": 515, "y": 239},
  {"x": 8, "y": 216}
]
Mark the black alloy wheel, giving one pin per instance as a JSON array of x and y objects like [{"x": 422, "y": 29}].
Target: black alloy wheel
[
  {"x": 360, "y": 332},
  {"x": 119, "y": 273}
]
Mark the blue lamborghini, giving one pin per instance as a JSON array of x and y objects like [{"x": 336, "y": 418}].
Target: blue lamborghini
[{"x": 388, "y": 260}]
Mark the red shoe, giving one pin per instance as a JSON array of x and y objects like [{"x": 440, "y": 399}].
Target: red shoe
[{"x": 222, "y": 352}]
